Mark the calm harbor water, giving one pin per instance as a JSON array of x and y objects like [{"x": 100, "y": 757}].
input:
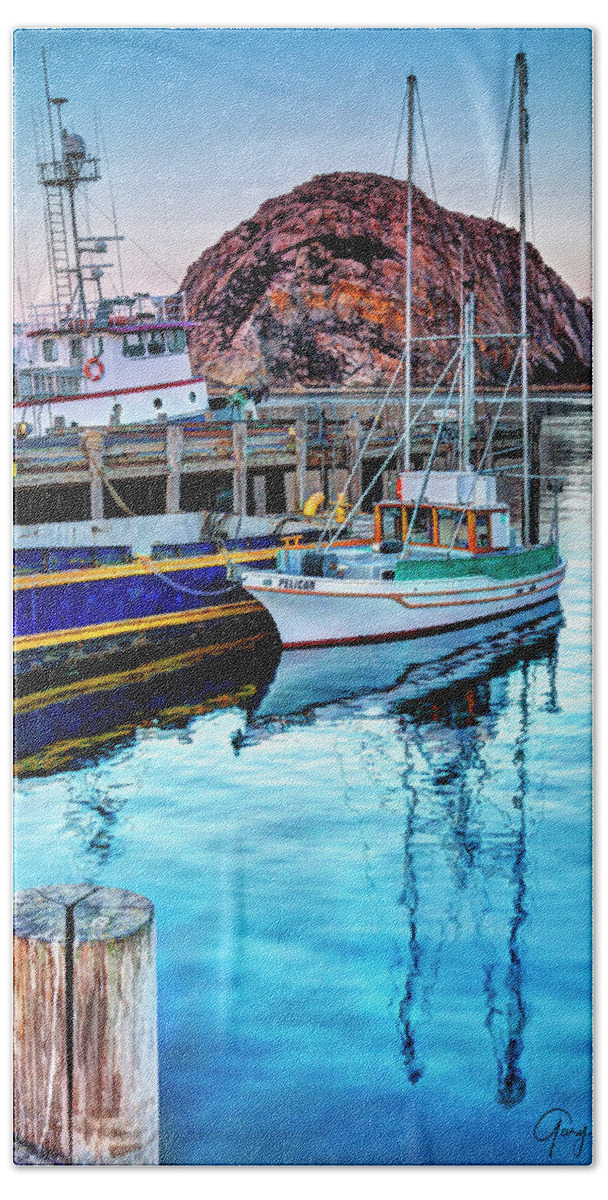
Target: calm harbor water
[{"x": 372, "y": 879}]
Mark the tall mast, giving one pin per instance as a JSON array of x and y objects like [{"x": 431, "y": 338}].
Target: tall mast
[
  {"x": 521, "y": 67},
  {"x": 468, "y": 407},
  {"x": 411, "y": 84}
]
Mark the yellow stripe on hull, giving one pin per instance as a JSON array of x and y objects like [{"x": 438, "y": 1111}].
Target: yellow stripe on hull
[
  {"x": 143, "y": 566},
  {"x": 84, "y": 633},
  {"x": 104, "y": 683}
]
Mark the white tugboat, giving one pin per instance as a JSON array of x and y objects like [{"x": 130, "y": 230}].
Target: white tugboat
[
  {"x": 86, "y": 359},
  {"x": 445, "y": 554}
]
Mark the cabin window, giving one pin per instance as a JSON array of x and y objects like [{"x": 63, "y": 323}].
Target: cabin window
[
  {"x": 133, "y": 345},
  {"x": 43, "y": 384},
  {"x": 422, "y": 530},
  {"x": 391, "y": 525},
  {"x": 482, "y": 530},
  {"x": 49, "y": 350},
  {"x": 447, "y": 522},
  {"x": 76, "y": 349},
  {"x": 25, "y": 384},
  {"x": 97, "y": 345},
  {"x": 67, "y": 385},
  {"x": 156, "y": 344},
  {"x": 176, "y": 341}
]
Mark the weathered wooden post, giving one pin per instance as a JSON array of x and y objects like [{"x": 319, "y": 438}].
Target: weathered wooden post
[
  {"x": 85, "y": 1042},
  {"x": 239, "y": 477},
  {"x": 353, "y": 441},
  {"x": 175, "y": 446},
  {"x": 93, "y": 444},
  {"x": 534, "y": 426},
  {"x": 301, "y": 428}
]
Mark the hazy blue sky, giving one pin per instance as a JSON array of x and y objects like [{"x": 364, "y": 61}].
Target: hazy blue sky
[{"x": 202, "y": 125}]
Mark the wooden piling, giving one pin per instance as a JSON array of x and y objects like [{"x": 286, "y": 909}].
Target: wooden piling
[
  {"x": 353, "y": 441},
  {"x": 175, "y": 447},
  {"x": 301, "y": 441},
  {"x": 85, "y": 1042},
  {"x": 93, "y": 443},
  {"x": 239, "y": 478},
  {"x": 534, "y": 427}
]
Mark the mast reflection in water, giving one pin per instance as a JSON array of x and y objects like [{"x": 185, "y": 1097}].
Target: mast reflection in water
[{"x": 356, "y": 907}]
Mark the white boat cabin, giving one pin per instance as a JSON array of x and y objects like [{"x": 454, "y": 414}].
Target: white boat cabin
[
  {"x": 130, "y": 364},
  {"x": 458, "y": 512}
]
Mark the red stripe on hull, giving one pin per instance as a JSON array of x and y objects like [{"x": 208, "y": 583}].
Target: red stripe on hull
[
  {"x": 41, "y": 402},
  {"x": 411, "y": 633}
]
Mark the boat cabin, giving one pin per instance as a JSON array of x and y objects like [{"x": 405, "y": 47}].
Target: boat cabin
[
  {"x": 458, "y": 512},
  {"x": 131, "y": 362}
]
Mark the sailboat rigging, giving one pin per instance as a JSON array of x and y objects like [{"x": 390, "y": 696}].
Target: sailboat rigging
[{"x": 444, "y": 553}]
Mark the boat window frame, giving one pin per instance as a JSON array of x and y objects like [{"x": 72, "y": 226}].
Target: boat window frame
[
  {"x": 487, "y": 513},
  {"x": 136, "y": 349},
  {"x": 175, "y": 341},
  {"x": 469, "y": 523}
]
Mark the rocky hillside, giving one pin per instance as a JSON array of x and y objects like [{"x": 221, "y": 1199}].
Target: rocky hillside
[{"x": 310, "y": 291}]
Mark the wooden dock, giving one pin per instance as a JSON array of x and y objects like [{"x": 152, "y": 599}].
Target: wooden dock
[{"x": 257, "y": 468}]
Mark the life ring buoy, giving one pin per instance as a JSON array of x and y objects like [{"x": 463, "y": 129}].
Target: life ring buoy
[{"x": 93, "y": 369}]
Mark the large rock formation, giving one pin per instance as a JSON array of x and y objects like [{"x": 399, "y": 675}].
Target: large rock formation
[{"x": 310, "y": 292}]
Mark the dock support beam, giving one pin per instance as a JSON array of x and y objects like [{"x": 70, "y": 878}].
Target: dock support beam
[
  {"x": 93, "y": 444},
  {"x": 239, "y": 478},
  {"x": 301, "y": 463},
  {"x": 175, "y": 446},
  {"x": 85, "y": 1035},
  {"x": 534, "y": 424},
  {"x": 353, "y": 442}
]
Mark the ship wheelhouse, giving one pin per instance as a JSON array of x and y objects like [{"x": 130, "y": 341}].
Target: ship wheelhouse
[
  {"x": 459, "y": 514},
  {"x": 446, "y": 527},
  {"x": 133, "y": 354}
]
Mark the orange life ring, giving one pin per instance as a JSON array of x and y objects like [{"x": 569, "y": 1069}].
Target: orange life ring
[{"x": 93, "y": 369}]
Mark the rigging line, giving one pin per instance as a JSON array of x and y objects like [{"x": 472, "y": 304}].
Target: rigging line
[
  {"x": 362, "y": 450},
  {"x": 391, "y": 454},
  {"x": 434, "y": 448},
  {"x": 141, "y": 249},
  {"x": 39, "y": 146},
  {"x": 100, "y": 136},
  {"x": 434, "y": 191},
  {"x": 502, "y": 170},
  {"x": 399, "y": 131},
  {"x": 426, "y": 145},
  {"x": 487, "y": 446}
]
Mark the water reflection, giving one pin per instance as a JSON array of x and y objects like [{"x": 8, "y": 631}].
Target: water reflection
[
  {"x": 447, "y": 768},
  {"x": 463, "y": 838},
  {"x": 86, "y": 720}
]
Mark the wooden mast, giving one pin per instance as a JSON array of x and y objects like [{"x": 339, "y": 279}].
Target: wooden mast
[
  {"x": 522, "y": 72},
  {"x": 411, "y": 84}
]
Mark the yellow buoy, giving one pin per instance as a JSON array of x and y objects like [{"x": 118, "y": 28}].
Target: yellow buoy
[{"x": 313, "y": 504}]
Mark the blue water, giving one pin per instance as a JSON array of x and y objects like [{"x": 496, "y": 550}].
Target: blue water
[{"x": 373, "y": 913}]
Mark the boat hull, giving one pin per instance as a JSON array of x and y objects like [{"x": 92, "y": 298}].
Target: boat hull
[{"x": 326, "y": 612}]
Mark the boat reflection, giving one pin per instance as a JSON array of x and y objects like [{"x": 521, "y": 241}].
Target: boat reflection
[
  {"x": 76, "y": 724},
  {"x": 406, "y": 670}
]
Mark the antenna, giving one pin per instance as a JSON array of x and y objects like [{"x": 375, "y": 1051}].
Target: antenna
[{"x": 69, "y": 167}]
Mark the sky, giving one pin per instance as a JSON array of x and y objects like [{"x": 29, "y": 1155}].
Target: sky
[{"x": 202, "y": 125}]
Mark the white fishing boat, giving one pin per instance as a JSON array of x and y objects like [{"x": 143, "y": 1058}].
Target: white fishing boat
[
  {"x": 86, "y": 359},
  {"x": 445, "y": 554}
]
